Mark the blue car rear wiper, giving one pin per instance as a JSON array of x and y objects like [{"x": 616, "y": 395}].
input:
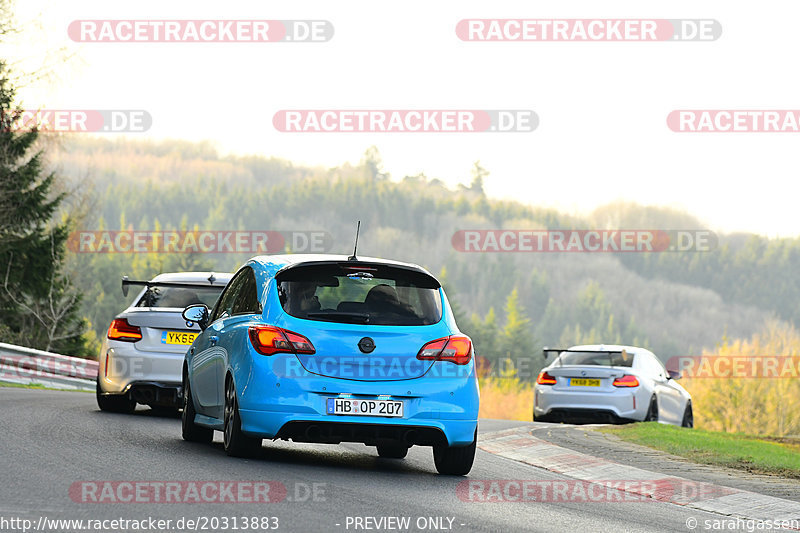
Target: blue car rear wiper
[{"x": 357, "y": 318}]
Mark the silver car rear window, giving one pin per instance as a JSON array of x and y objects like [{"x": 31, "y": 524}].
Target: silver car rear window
[{"x": 179, "y": 297}]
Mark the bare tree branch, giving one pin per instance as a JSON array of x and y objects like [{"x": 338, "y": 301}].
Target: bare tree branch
[{"x": 50, "y": 311}]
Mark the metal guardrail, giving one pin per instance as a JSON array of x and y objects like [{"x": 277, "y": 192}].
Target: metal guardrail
[{"x": 36, "y": 367}]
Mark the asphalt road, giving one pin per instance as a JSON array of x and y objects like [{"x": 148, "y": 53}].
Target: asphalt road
[{"x": 55, "y": 440}]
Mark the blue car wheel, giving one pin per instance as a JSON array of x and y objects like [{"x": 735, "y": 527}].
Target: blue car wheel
[
  {"x": 191, "y": 431},
  {"x": 455, "y": 460},
  {"x": 236, "y": 443}
]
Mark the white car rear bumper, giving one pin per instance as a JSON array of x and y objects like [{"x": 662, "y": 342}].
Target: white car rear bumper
[
  {"x": 627, "y": 403},
  {"x": 122, "y": 365}
]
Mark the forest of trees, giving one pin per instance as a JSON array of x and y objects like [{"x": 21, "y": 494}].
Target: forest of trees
[
  {"x": 511, "y": 304},
  {"x": 737, "y": 299}
]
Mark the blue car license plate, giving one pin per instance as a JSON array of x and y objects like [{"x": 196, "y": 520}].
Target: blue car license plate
[{"x": 352, "y": 406}]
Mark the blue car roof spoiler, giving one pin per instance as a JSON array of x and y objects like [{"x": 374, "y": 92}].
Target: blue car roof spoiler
[{"x": 359, "y": 265}]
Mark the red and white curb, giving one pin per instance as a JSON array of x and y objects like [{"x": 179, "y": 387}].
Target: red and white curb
[{"x": 518, "y": 444}]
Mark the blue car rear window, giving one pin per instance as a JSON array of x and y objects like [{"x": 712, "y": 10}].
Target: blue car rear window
[{"x": 360, "y": 294}]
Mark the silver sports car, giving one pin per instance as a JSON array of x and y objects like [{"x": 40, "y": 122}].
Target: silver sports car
[
  {"x": 142, "y": 355},
  {"x": 602, "y": 383}
]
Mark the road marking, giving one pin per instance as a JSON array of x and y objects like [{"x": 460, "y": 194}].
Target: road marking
[{"x": 518, "y": 444}]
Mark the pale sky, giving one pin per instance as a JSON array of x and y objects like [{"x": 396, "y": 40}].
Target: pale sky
[{"x": 602, "y": 106}]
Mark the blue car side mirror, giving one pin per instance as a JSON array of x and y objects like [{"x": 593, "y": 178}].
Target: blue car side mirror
[{"x": 197, "y": 313}]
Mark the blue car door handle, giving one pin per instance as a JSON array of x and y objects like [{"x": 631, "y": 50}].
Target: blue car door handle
[{"x": 213, "y": 340}]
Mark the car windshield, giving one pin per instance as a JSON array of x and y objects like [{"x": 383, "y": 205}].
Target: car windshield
[
  {"x": 179, "y": 297},
  {"x": 596, "y": 358},
  {"x": 360, "y": 294}
]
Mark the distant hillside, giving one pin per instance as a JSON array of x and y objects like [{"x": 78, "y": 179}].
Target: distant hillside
[{"x": 672, "y": 302}]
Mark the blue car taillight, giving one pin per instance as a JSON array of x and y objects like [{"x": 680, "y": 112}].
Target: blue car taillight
[
  {"x": 455, "y": 348},
  {"x": 269, "y": 340}
]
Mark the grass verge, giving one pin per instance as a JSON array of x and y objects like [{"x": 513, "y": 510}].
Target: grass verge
[
  {"x": 760, "y": 455},
  {"x": 34, "y": 386},
  {"x": 507, "y": 399}
]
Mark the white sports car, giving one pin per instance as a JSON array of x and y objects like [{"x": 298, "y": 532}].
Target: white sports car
[
  {"x": 142, "y": 354},
  {"x": 601, "y": 383}
]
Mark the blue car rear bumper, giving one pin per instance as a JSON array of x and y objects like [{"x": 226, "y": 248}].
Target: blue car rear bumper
[{"x": 269, "y": 404}]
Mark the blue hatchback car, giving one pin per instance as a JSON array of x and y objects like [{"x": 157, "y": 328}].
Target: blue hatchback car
[{"x": 331, "y": 349}]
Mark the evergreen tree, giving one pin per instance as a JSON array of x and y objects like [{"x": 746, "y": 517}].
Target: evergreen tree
[
  {"x": 516, "y": 339},
  {"x": 38, "y": 305},
  {"x": 485, "y": 335},
  {"x": 458, "y": 313},
  {"x": 372, "y": 163},
  {"x": 479, "y": 174}
]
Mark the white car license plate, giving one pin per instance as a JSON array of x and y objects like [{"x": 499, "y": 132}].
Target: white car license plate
[
  {"x": 352, "y": 406},
  {"x": 178, "y": 337},
  {"x": 580, "y": 382}
]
